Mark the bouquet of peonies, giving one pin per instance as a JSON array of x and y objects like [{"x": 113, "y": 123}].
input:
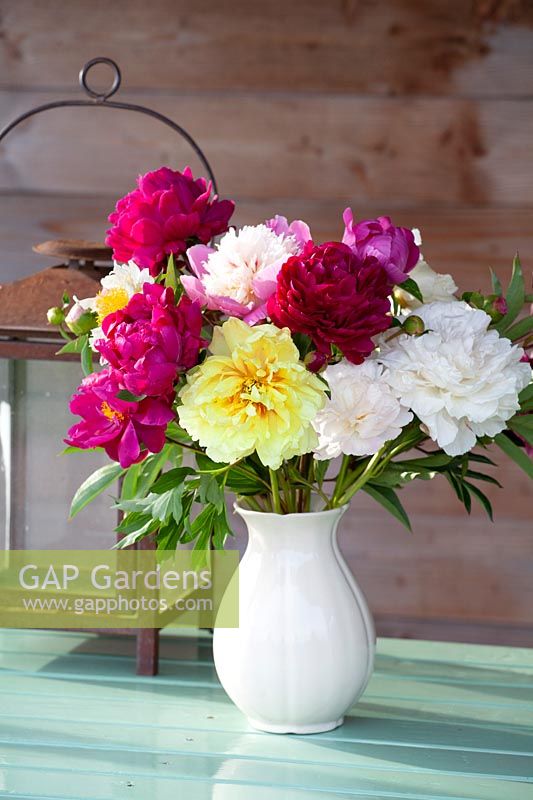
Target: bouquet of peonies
[{"x": 268, "y": 355}]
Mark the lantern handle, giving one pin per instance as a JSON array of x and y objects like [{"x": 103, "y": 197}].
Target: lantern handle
[
  {"x": 101, "y": 100},
  {"x": 115, "y": 86}
]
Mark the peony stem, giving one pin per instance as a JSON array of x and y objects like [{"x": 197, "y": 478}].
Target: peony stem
[
  {"x": 276, "y": 500},
  {"x": 340, "y": 479},
  {"x": 363, "y": 478}
]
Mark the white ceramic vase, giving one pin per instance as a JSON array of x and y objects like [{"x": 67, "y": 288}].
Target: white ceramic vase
[{"x": 304, "y": 649}]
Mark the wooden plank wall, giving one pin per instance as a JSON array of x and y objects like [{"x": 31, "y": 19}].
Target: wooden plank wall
[{"x": 419, "y": 107}]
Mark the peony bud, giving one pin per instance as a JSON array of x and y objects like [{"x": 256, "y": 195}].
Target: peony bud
[
  {"x": 55, "y": 315},
  {"x": 414, "y": 326},
  {"x": 81, "y": 320},
  {"x": 474, "y": 299},
  {"x": 495, "y": 306}
]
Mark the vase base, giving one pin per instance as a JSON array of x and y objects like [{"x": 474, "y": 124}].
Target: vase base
[{"x": 321, "y": 727}]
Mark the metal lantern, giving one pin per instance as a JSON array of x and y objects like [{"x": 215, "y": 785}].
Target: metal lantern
[{"x": 35, "y": 485}]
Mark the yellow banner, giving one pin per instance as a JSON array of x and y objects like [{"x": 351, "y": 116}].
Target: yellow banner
[{"x": 118, "y": 589}]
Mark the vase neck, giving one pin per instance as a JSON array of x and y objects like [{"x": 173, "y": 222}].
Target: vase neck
[{"x": 311, "y": 532}]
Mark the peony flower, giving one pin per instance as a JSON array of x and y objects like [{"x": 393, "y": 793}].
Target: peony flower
[
  {"x": 151, "y": 340},
  {"x": 166, "y": 212},
  {"x": 118, "y": 287},
  {"x": 239, "y": 276},
  {"x": 433, "y": 286},
  {"x": 334, "y": 297},
  {"x": 252, "y": 395},
  {"x": 460, "y": 379},
  {"x": 394, "y": 248},
  {"x": 362, "y": 414},
  {"x": 81, "y": 318},
  {"x": 126, "y": 430}
]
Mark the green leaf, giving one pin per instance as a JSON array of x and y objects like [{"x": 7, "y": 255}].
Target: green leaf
[
  {"x": 136, "y": 521},
  {"x": 496, "y": 283},
  {"x": 221, "y": 529},
  {"x": 171, "y": 479},
  {"x": 483, "y": 499},
  {"x": 74, "y": 346},
  {"x": 211, "y": 492},
  {"x": 151, "y": 467},
  {"x": 87, "y": 357},
  {"x": 168, "y": 537},
  {"x": 460, "y": 490},
  {"x": 171, "y": 279},
  {"x": 201, "y": 528},
  {"x": 522, "y": 424},
  {"x": 481, "y": 459},
  {"x": 175, "y": 433},
  {"x": 244, "y": 481},
  {"x": 94, "y": 486},
  {"x": 130, "y": 481},
  {"x": 429, "y": 462},
  {"x": 515, "y": 297},
  {"x": 525, "y": 398},
  {"x": 520, "y": 328},
  {"x": 320, "y": 468},
  {"x": 412, "y": 287},
  {"x": 129, "y": 397},
  {"x": 526, "y": 393},
  {"x": 481, "y": 476},
  {"x": 518, "y": 454},
  {"x": 388, "y": 499}
]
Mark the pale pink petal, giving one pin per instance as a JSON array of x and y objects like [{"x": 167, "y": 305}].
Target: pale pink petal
[
  {"x": 301, "y": 231},
  {"x": 256, "y": 315},
  {"x": 198, "y": 255},
  {"x": 194, "y": 288}
]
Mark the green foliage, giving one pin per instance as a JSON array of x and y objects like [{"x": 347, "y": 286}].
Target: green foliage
[
  {"x": 412, "y": 287},
  {"x": 94, "y": 486},
  {"x": 388, "y": 498},
  {"x": 74, "y": 345},
  {"x": 515, "y": 298},
  {"x": 518, "y": 454}
]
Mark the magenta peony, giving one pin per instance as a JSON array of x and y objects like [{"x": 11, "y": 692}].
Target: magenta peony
[
  {"x": 167, "y": 213},
  {"x": 151, "y": 340},
  {"x": 394, "y": 248},
  {"x": 334, "y": 297},
  {"x": 127, "y": 431}
]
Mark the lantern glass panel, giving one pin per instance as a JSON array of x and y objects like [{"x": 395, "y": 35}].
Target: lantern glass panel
[{"x": 36, "y": 482}]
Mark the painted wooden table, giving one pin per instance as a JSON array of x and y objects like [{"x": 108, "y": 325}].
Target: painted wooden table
[{"x": 437, "y": 721}]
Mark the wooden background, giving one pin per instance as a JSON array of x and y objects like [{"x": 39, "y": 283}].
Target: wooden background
[{"x": 420, "y": 108}]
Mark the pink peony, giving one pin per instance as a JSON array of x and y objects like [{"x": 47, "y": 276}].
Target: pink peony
[
  {"x": 151, "y": 340},
  {"x": 239, "y": 276},
  {"x": 394, "y": 248},
  {"x": 168, "y": 212},
  {"x": 334, "y": 297},
  {"x": 127, "y": 431}
]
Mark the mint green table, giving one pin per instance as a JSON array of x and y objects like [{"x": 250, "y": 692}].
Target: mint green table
[{"x": 437, "y": 721}]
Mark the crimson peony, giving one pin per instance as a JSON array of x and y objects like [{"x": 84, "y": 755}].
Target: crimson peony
[
  {"x": 167, "y": 213},
  {"x": 151, "y": 340},
  {"x": 334, "y": 297}
]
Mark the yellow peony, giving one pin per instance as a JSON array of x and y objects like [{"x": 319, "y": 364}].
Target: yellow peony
[{"x": 253, "y": 393}]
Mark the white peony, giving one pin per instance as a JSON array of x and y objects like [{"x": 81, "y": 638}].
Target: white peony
[
  {"x": 362, "y": 414},
  {"x": 118, "y": 287},
  {"x": 461, "y": 379},
  {"x": 254, "y": 252},
  {"x": 128, "y": 277},
  {"x": 434, "y": 286}
]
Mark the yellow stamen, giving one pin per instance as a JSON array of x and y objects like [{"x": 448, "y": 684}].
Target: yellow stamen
[
  {"x": 110, "y": 300},
  {"x": 110, "y": 413}
]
